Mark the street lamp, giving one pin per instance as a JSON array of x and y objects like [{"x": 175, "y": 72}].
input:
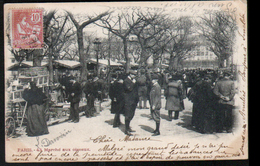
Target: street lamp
[{"x": 97, "y": 44}]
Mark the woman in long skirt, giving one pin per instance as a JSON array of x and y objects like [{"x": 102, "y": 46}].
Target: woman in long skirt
[
  {"x": 203, "y": 115},
  {"x": 36, "y": 123}
]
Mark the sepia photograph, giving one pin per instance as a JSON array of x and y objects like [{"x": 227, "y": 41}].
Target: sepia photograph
[{"x": 126, "y": 81}]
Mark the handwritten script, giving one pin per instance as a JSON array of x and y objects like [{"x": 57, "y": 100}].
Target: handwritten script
[
  {"x": 111, "y": 151},
  {"x": 45, "y": 142}
]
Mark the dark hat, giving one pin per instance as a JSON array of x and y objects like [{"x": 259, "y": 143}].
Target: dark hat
[
  {"x": 33, "y": 84},
  {"x": 121, "y": 76},
  {"x": 114, "y": 75},
  {"x": 176, "y": 77},
  {"x": 72, "y": 78},
  {"x": 154, "y": 77}
]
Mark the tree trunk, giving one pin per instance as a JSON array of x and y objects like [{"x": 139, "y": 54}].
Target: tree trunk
[
  {"x": 37, "y": 61},
  {"x": 144, "y": 58},
  {"x": 221, "y": 61},
  {"x": 82, "y": 59},
  {"x": 127, "y": 59},
  {"x": 174, "y": 62},
  {"x": 50, "y": 65},
  {"x": 37, "y": 57}
]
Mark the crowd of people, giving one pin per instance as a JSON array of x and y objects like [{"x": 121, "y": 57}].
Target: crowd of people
[{"x": 211, "y": 92}]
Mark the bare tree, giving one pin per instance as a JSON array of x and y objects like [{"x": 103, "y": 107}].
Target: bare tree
[
  {"x": 179, "y": 39},
  {"x": 21, "y": 54},
  {"x": 218, "y": 28},
  {"x": 117, "y": 50},
  {"x": 149, "y": 33},
  {"x": 135, "y": 50},
  {"x": 80, "y": 38},
  {"x": 56, "y": 37},
  {"x": 121, "y": 24}
]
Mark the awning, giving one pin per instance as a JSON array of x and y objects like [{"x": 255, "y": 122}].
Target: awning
[
  {"x": 131, "y": 63},
  {"x": 104, "y": 62},
  {"x": 70, "y": 64},
  {"x": 24, "y": 64}
]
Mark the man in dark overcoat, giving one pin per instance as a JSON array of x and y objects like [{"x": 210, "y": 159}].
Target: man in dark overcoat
[
  {"x": 116, "y": 94},
  {"x": 193, "y": 96},
  {"x": 89, "y": 92},
  {"x": 101, "y": 86},
  {"x": 225, "y": 91},
  {"x": 74, "y": 99},
  {"x": 131, "y": 100},
  {"x": 65, "y": 81},
  {"x": 92, "y": 92}
]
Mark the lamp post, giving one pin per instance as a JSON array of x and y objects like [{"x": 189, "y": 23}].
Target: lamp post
[{"x": 97, "y": 44}]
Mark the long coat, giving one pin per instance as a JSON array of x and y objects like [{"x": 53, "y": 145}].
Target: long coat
[
  {"x": 101, "y": 86},
  {"x": 36, "y": 123},
  {"x": 142, "y": 89},
  {"x": 116, "y": 94},
  {"x": 90, "y": 93},
  {"x": 174, "y": 96},
  {"x": 225, "y": 88},
  {"x": 203, "y": 114},
  {"x": 76, "y": 89},
  {"x": 193, "y": 95},
  {"x": 131, "y": 97},
  {"x": 155, "y": 96}
]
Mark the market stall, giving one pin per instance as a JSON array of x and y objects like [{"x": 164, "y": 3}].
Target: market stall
[
  {"x": 103, "y": 65},
  {"x": 16, "y": 112},
  {"x": 16, "y": 107},
  {"x": 134, "y": 66},
  {"x": 66, "y": 64}
]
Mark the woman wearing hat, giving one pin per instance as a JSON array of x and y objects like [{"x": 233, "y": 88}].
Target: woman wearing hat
[{"x": 36, "y": 123}]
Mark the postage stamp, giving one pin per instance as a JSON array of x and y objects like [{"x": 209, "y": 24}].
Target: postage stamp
[{"x": 27, "y": 28}]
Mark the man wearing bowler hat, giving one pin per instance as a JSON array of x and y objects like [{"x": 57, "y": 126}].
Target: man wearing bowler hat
[
  {"x": 117, "y": 98},
  {"x": 131, "y": 100},
  {"x": 74, "y": 99}
]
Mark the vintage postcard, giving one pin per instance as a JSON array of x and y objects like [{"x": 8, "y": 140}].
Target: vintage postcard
[{"x": 126, "y": 81}]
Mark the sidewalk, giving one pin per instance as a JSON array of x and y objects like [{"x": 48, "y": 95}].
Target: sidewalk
[{"x": 102, "y": 124}]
